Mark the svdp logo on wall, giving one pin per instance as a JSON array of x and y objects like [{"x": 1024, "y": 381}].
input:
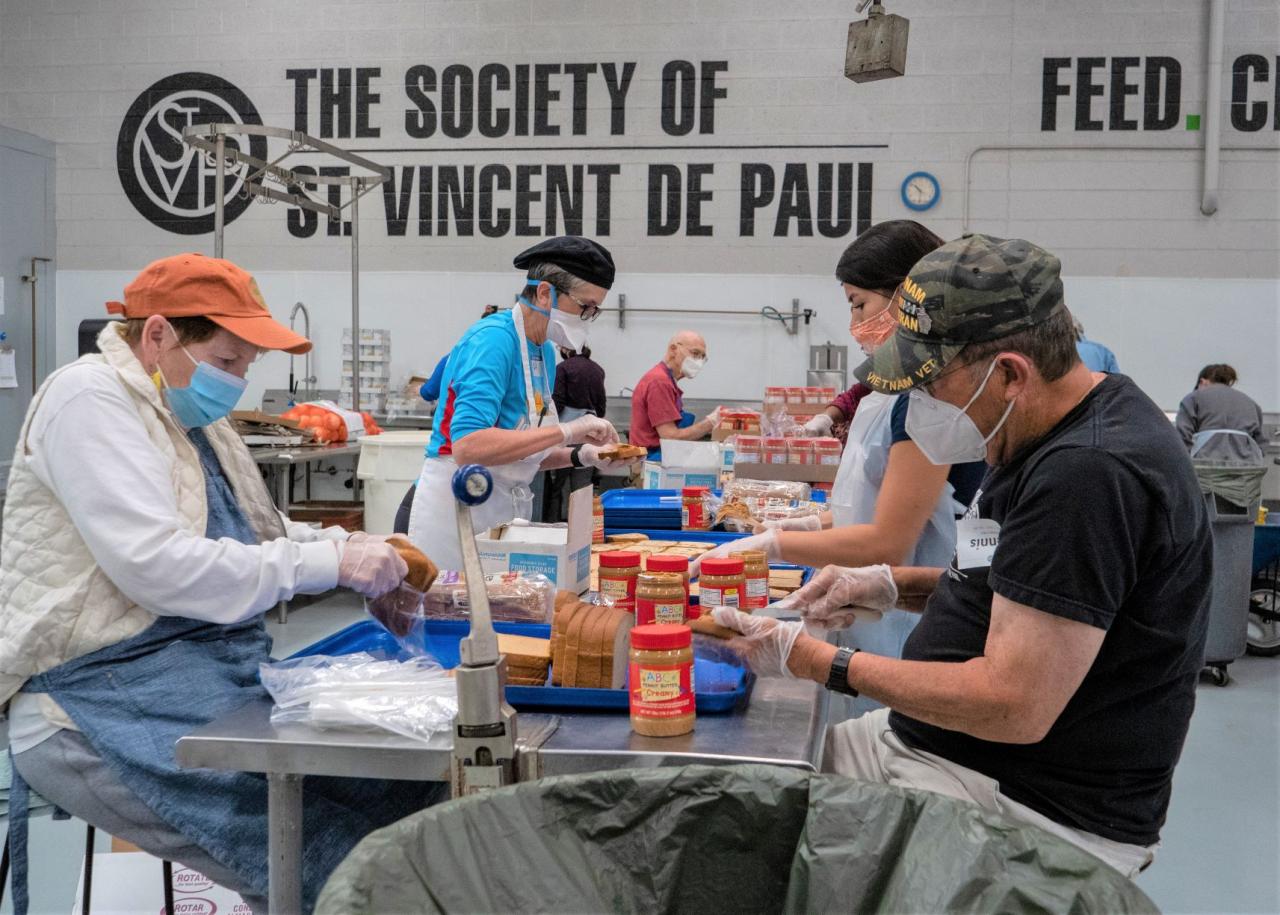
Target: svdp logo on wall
[{"x": 168, "y": 181}]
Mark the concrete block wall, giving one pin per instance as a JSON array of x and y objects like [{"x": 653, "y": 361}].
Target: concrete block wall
[{"x": 1126, "y": 224}]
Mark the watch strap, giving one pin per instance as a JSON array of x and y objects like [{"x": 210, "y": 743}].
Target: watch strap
[
  {"x": 838, "y": 676},
  {"x": 575, "y": 456}
]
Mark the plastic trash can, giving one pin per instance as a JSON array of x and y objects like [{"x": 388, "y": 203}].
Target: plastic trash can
[
  {"x": 389, "y": 464},
  {"x": 1233, "y": 528},
  {"x": 704, "y": 839}
]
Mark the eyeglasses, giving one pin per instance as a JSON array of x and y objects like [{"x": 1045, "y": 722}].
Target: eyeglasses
[{"x": 589, "y": 312}]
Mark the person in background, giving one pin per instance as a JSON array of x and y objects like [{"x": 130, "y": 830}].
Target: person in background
[
  {"x": 140, "y": 551},
  {"x": 579, "y": 390},
  {"x": 579, "y": 385},
  {"x": 889, "y": 503},
  {"x": 1053, "y": 674},
  {"x": 1093, "y": 354},
  {"x": 430, "y": 389},
  {"x": 496, "y": 408},
  {"x": 1216, "y": 405},
  {"x": 657, "y": 403}
]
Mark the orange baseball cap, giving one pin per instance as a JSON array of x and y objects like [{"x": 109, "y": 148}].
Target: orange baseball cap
[{"x": 195, "y": 286}]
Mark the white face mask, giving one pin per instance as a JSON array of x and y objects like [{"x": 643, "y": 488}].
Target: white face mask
[
  {"x": 566, "y": 330},
  {"x": 691, "y": 367},
  {"x": 944, "y": 433}
]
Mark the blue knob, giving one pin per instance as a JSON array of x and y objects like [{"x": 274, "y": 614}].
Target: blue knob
[{"x": 472, "y": 484}]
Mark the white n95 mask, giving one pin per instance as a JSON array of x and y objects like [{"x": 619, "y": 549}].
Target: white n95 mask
[
  {"x": 944, "y": 433},
  {"x": 567, "y": 330},
  {"x": 691, "y": 367}
]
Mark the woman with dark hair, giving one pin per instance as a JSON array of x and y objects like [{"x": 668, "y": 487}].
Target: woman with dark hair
[
  {"x": 1216, "y": 406},
  {"x": 871, "y": 267},
  {"x": 889, "y": 505}
]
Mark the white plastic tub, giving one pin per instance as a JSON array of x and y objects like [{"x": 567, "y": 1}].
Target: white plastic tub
[{"x": 389, "y": 464}]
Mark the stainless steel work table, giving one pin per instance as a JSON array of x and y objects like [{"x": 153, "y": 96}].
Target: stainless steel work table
[{"x": 783, "y": 724}]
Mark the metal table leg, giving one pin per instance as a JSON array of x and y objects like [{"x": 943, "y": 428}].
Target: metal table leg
[{"x": 284, "y": 844}]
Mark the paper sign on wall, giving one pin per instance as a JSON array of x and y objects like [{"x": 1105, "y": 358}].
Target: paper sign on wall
[
  {"x": 1, "y": 295},
  {"x": 8, "y": 367}
]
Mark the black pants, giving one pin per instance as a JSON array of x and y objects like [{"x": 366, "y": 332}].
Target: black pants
[{"x": 401, "y": 525}]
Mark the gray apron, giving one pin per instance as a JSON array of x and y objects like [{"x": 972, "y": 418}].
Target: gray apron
[{"x": 133, "y": 700}]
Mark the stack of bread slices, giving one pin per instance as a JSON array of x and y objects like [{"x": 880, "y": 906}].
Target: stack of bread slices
[{"x": 589, "y": 644}]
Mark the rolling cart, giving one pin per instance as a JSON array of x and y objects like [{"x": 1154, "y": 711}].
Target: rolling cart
[{"x": 1263, "y": 636}]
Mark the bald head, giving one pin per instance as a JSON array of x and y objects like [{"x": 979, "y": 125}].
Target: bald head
[{"x": 684, "y": 345}]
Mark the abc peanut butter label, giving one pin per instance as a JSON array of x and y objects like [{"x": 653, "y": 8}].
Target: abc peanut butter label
[
  {"x": 661, "y": 690},
  {"x": 649, "y": 611}
]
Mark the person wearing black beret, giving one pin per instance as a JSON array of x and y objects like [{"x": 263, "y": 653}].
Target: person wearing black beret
[{"x": 495, "y": 405}]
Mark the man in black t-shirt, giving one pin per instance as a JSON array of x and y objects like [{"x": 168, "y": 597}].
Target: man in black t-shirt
[{"x": 1052, "y": 675}]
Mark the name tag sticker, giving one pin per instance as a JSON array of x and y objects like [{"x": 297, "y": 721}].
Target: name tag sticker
[{"x": 976, "y": 541}]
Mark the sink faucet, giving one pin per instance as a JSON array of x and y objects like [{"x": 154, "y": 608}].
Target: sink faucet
[{"x": 308, "y": 379}]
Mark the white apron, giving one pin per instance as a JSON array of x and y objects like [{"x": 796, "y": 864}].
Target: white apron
[
  {"x": 432, "y": 521},
  {"x": 853, "y": 501}
]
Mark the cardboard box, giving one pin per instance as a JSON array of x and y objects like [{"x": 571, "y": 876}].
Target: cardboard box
[
  {"x": 562, "y": 552},
  {"x": 128, "y": 882},
  {"x": 685, "y": 464},
  {"x": 798, "y": 473}
]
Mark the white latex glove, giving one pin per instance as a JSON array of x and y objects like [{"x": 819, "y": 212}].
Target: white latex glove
[
  {"x": 589, "y": 455},
  {"x": 765, "y": 644},
  {"x": 369, "y": 567},
  {"x": 358, "y": 536},
  {"x": 803, "y": 523},
  {"x": 588, "y": 428},
  {"x": 768, "y": 542},
  {"x": 713, "y": 418},
  {"x": 818, "y": 426},
  {"x": 838, "y": 595}
]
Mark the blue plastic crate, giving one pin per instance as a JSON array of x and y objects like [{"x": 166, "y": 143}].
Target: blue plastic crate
[{"x": 719, "y": 687}]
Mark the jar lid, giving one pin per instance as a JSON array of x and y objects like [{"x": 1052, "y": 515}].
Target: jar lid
[
  {"x": 721, "y": 565},
  {"x": 657, "y": 636},
  {"x": 694, "y": 491},
  {"x": 774, "y": 442},
  {"x": 619, "y": 559},
  {"x": 652, "y": 577},
  {"x": 657, "y": 562}
]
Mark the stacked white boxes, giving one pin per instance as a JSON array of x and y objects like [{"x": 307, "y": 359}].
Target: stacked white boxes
[{"x": 375, "y": 369}]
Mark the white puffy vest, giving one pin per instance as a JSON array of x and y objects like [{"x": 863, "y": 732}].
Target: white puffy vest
[{"x": 55, "y": 602}]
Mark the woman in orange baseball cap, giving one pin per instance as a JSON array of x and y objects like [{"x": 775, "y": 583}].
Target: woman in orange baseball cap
[{"x": 141, "y": 549}]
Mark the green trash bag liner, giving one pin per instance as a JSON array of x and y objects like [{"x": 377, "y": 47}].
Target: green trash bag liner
[
  {"x": 710, "y": 839},
  {"x": 1239, "y": 486}
]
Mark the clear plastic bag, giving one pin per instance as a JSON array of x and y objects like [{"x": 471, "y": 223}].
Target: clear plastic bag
[
  {"x": 414, "y": 698},
  {"x": 514, "y": 597},
  {"x": 766, "y": 489}
]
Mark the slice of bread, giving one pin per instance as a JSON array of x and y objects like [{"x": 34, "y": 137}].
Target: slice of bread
[
  {"x": 707, "y": 626},
  {"x": 616, "y": 646},
  {"x": 524, "y": 654},
  {"x": 559, "y": 639},
  {"x": 422, "y": 571}
]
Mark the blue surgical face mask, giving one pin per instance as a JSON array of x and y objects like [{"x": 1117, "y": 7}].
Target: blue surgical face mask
[{"x": 208, "y": 397}]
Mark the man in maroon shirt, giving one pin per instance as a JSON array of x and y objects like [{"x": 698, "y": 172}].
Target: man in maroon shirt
[{"x": 657, "y": 403}]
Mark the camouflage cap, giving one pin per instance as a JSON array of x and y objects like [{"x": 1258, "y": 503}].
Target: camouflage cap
[{"x": 971, "y": 290}]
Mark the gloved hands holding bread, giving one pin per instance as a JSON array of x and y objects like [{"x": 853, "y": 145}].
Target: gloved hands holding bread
[
  {"x": 838, "y": 595},
  {"x": 410, "y": 572},
  {"x": 763, "y": 642},
  {"x": 613, "y": 457}
]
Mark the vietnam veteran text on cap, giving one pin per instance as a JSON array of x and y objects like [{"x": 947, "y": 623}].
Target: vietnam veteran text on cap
[{"x": 971, "y": 290}]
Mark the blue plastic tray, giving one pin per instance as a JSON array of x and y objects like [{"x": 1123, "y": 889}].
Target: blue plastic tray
[{"x": 718, "y": 687}]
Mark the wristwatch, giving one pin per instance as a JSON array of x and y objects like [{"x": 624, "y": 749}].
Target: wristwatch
[
  {"x": 575, "y": 457},
  {"x": 838, "y": 677}
]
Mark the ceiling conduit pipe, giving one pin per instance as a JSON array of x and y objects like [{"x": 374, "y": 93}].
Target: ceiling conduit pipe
[{"x": 1213, "y": 107}]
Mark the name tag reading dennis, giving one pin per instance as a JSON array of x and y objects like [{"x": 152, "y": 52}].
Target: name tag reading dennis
[{"x": 976, "y": 541}]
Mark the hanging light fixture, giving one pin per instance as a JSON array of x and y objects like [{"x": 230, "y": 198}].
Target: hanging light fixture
[{"x": 877, "y": 46}]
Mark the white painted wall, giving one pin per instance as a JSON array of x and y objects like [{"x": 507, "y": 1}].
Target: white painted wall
[{"x": 1162, "y": 330}]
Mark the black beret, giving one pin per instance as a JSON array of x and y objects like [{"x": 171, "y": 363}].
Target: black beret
[{"x": 586, "y": 259}]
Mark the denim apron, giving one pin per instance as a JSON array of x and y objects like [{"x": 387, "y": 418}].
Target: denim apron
[{"x": 133, "y": 700}]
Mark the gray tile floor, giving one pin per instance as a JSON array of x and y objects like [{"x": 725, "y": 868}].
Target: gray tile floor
[{"x": 1221, "y": 845}]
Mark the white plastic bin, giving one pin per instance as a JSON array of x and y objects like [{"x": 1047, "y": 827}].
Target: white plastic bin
[{"x": 389, "y": 464}]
